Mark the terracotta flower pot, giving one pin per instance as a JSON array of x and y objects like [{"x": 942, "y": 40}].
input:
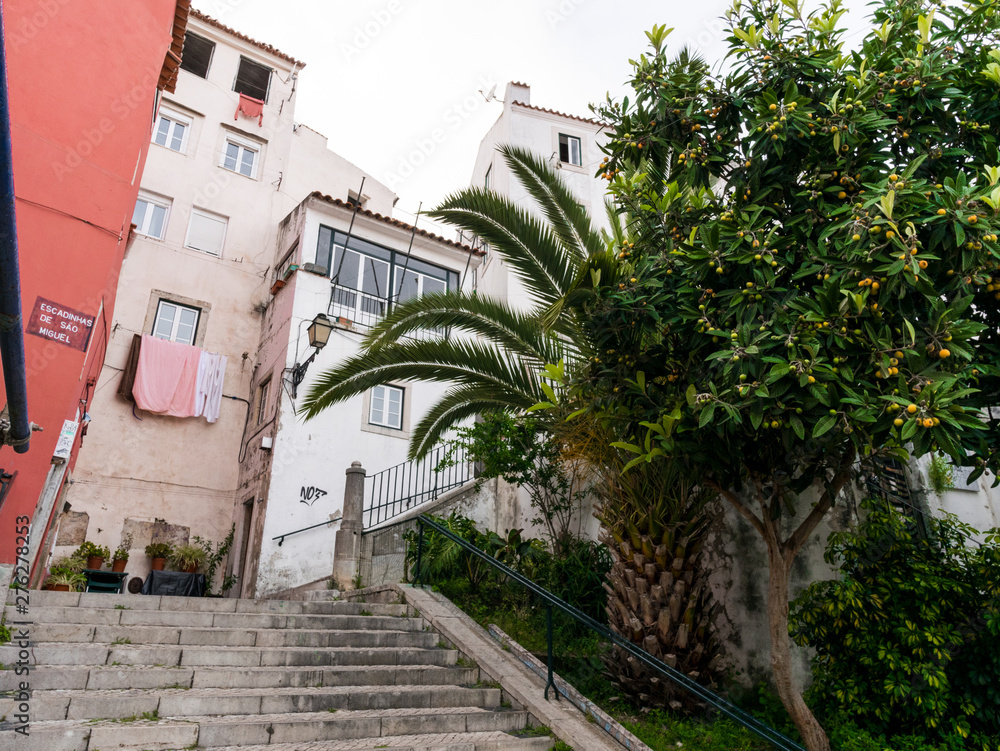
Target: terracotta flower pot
[
  {"x": 191, "y": 569},
  {"x": 59, "y": 588},
  {"x": 158, "y": 564},
  {"x": 118, "y": 565},
  {"x": 95, "y": 562}
]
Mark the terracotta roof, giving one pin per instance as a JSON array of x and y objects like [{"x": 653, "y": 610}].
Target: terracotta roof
[
  {"x": 266, "y": 47},
  {"x": 561, "y": 114},
  {"x": 394, "y": 222},
  {"x": 172, "y": 61},
  {"x": 518, "y": 83}
]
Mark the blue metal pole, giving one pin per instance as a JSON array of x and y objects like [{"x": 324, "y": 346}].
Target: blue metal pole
[{"x": 11, "y": 333}]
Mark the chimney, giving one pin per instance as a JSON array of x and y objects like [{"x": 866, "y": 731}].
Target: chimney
[{"x": 517, "y": 92}]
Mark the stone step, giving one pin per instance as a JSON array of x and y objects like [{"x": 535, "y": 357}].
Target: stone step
[
  {"x": 78, "y": 677},
  {"x": 55, "y": 653},
  {"x": 117, "y": 705},
  {"x": 193, "y": 731},
  {"x": 495, "y": 741},
  {"x": 45, "y": 599},
  {"x": 84, "y": 633},
  {"x": 197, "y": 619}
]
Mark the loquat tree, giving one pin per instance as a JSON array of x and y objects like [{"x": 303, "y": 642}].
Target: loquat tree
[{"x": 812, "y": 276}]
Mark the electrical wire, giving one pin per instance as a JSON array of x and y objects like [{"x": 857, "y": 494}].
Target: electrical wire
[{"x": 115, "y": 234}]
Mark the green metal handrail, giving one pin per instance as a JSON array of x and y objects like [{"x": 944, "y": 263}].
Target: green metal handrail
[{"x": 730, "y": 710}]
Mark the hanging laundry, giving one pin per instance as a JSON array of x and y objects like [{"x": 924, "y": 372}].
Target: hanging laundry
[
  {"x": 251, "y": 108},
  {"x": 211, "y": 376},
  {"x": 166, "y": 377}
]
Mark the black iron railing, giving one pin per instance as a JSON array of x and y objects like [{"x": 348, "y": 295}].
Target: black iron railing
[
  {"x": 673, "y": 675},
  {"x": 399, "y": 489}
]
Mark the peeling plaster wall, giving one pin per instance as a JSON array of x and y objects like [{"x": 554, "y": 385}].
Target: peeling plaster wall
[{"x": 736, "y": 556}]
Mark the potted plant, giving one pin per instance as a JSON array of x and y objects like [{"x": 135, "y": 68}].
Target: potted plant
[
  {"x": 95, "y": 554},
  {"x": 120, "y": 557},
  {"x": 65, "y": 581},
  {"x": 188, "y": 558},
  {"x": 158, "y": 553}
]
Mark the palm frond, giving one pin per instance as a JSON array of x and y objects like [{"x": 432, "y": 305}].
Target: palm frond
[
  {"x": 484, "y": 317},
  {"x": 456, "y": 405},
  {"x": 529, "y": 247},
  {"x": 568, "y": 218},
  {"x": 455, "y": 361}
]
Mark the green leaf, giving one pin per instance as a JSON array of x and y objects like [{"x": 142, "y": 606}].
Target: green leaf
[
  {"x": 825, "y": 425},
  {"x": 690, "y": 394},
  {"x": 797, "y": 426},
  {"x": 627, "y": 447},
  {"x": 706, "y": 415}
]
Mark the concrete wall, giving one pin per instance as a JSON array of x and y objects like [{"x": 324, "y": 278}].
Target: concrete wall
[{"x": 977, "y": 504}]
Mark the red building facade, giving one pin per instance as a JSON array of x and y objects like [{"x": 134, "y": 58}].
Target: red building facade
[{"x": 84, "y": 80}]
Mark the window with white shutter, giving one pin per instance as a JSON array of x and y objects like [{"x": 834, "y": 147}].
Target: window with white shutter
[{"x": 206, "y": 232}]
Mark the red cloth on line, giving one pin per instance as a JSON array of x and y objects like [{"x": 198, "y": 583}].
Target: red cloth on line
[
  {"x": 251, "y": 108},
  {"x": 166, "y": 378}
]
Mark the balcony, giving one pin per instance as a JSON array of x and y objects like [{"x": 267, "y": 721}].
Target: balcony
[{"x": 359, "y": 311}]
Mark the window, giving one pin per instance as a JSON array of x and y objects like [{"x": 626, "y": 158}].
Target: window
[
  {"x": 240, "y": 155},
  {"x": 150, "y": 216},
  {"x": 368, "y": 277},
  {"x": 262, "y": 393},
  {"x": 569, "y": 150},
  {"x": 171, "y": 131},
  {"x": 253, "y": 79},
  {"x": 206, "y": 232},
  {"x": 196, "y": 55},
  {"x": 386, "y": 407},
  {"x": 354, "y": 200},
  {"x": 489, "y": 177},
  {"x": 176, "y": 323}
]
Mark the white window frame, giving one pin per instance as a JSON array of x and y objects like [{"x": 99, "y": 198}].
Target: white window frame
[
  {"x": 209, "y": 215},
  {"x": 386, "y": 388},
  {"x": 166, "y": 113},
  {"x": 176, "y": 321},
  {"x": 243, "y": 145},
  {"x": 569, "y": 146},
  {"x": 163, "y": 203},
  {"x": 489, "y": 177}
]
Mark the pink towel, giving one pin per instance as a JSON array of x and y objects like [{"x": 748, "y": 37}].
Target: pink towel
[
  {"x": 166, "y": 377},
  {"x": 251, "y": 108}
]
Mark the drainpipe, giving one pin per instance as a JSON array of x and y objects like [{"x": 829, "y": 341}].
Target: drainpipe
[{"x": 11, "y": 334}]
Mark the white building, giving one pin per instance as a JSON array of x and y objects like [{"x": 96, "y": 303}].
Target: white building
[
  {"x": 353, "y": 266},
  {"x": 572, "y": 145}
]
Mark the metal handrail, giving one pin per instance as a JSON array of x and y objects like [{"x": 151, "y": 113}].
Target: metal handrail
[
  {"x": 281, "y": 538},
  {"x": 731, "y": 711}
]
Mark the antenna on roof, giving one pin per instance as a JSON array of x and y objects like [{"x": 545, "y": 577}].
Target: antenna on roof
[{"x": 491, "y": 95}]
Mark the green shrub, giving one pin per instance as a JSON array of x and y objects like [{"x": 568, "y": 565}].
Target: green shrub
[
  {"x": 575, "y": 573},
  {"x": 908, "y": 639},
  {"x": 89, "y": 549},
  {"x": 159, "y": 550}
]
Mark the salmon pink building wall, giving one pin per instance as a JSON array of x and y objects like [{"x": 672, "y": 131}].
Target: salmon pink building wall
[{"x": 83, "y": 83}]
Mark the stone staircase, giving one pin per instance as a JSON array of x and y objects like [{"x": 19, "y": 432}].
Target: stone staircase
[{"x": 167, "y": 673}]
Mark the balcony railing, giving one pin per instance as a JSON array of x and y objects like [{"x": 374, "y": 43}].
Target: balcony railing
[{"x": 360, "y": 310}]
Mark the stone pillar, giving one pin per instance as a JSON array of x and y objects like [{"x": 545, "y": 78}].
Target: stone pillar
[{"x": 347, "y": 545}]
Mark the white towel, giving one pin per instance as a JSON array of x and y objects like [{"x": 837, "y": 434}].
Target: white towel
[{"x": 211, "y": 376}]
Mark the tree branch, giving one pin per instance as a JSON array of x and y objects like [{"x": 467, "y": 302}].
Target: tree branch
[
  {"x": 745, "y": 512},
  {"x": 798, "y": 538}
]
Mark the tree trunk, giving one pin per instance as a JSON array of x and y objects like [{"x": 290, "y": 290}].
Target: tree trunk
[{"x": 781, "y": 653}]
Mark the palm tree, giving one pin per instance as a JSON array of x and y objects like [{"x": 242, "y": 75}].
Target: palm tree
[
  {"x": 653, "y": 525},
  {"x": 496, "y": 366}
]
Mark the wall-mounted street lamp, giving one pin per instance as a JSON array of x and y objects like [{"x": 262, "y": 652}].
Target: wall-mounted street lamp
[{"x": 319, "y": 334}]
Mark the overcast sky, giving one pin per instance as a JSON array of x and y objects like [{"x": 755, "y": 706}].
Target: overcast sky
[{"x": 382, "y": 75}]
